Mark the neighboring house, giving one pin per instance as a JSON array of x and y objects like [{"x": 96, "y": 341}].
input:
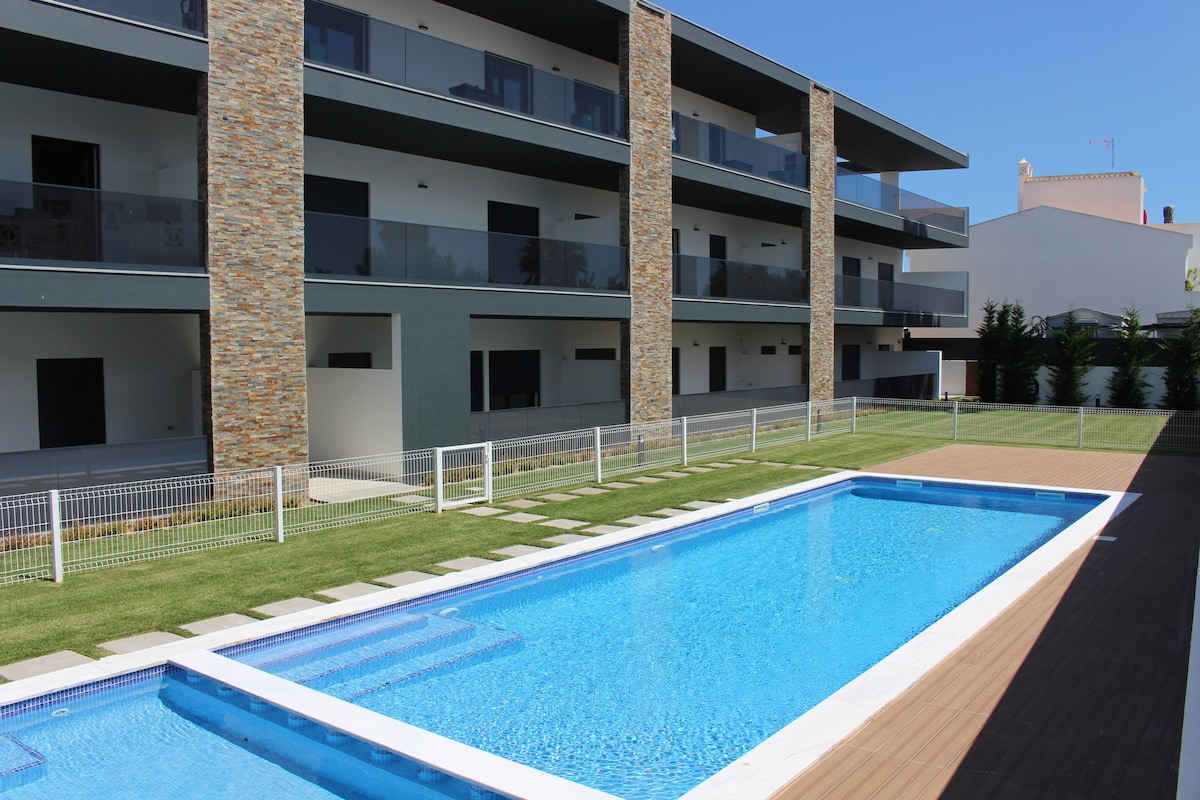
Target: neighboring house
[{"x": 247, "y": 234}]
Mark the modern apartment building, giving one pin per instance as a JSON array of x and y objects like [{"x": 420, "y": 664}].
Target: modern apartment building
[{"x": 235, "y": 234}]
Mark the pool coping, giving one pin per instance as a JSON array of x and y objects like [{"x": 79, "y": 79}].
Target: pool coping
[{"x": 760, "y": 773}]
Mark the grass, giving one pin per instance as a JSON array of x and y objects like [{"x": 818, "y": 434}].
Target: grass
[{"x": 105, "y": 604}]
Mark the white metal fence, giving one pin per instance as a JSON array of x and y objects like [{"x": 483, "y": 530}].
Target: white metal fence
[{"x": 44, "y": 535}]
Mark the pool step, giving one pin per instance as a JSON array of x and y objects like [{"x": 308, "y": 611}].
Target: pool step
[
  {"x": 307, "y": 645},
  {"x": 19, "y": 763}
]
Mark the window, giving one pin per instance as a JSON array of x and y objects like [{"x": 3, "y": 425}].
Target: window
[
  {"x": 595, "y": 354},
  {"x": 70, "y": 400},
  {"x": 850, "y": 362},
  {"x": 513, "y": 253},
  {"x": 716, "y": 369},
  {"x": 795, "y": 350},
  {"x": 514, "y": 379},
  {"x": 337, "y": 232},
  {"x": 350, "y": 360},
  {"x": 767, "y": 350},
  {"x": 335, "y": 36},
  {"x": 507, "y": 82},
  {"x": 476, "y": 380},
  {"x": 851, "y": 281}
]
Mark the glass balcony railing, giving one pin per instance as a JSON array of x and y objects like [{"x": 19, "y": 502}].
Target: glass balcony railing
[
  {"x": 875, "y": 194},
  {"x": 713, "y": 144},
  {"x": 351, "y": 41},
  {"x": 43, "y": 222},
  {"x": 403, "y": 251},
  {"x": 696, "y": 276},
  {"x": 178, "y": 15},
  {"x": 891, "y": 296}
]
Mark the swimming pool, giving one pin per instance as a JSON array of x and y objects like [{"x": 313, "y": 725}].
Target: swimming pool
[{"x": 532, "y": 646}]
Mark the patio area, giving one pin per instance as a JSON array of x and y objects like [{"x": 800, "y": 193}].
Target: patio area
[{"x": 1076, "y": 691}]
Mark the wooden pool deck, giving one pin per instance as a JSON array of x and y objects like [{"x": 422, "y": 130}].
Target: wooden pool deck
[{"x": 1077, "y": 690}]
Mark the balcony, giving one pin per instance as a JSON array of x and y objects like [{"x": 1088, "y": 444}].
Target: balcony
[
  {"x": 409, "y": 253},
  {"x": 176, "y": 15},
  {"x": 46, "y": 223},
  {"x": 347, "y": 40},
  {"x": 712, "y": 144},
  {"x": 872, "y": 193},
  {"x": 696, "y": 276},
  {"x": 892, "y": 296}
]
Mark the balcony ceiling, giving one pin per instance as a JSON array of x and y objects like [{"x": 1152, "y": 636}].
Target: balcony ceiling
[{"x": 589, "y": 26}]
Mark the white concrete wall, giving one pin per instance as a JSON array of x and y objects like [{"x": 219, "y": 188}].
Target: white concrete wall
[
  {"x": 353, "y": 412},
  {"x": 457, "y": 195},
  {"x": 346, "y": 334},
  {"x": 142, "y": 150},
  {"x": 954, "y": 378},
  {"x": 148, "y": 365},
  {"x": 1096, "y": 380},
  {"x": 1190, "y": 229},
  {"x": 1051, "y": 260},
  {"x": 1114, "y": 196},
  {"x": 746, "y": 367},
  {"x": 871, "y": 256},
  {"x": 690, "y": 104},
  {"x": 873, "y": 362},
  {"x": 744, "y": 237}
]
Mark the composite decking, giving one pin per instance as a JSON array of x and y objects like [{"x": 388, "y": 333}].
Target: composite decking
[{"x": 1077, "y": 690}]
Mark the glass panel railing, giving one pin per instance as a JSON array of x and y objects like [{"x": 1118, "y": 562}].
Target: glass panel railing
[
  {"x": 179, "y": 15},
  {"x": 696, "y": 276},
  {"x": 358, "y": 43},
  {"x": 713, "y": 144},
  {"x": 872, "y": 193},
  {"x": 43, "y": 222},
  {"x": 891, "y": 296},
  {"x": 402, "y": 251}
]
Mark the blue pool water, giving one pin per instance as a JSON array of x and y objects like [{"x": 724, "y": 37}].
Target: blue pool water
[{"x": 640, "y": 671}]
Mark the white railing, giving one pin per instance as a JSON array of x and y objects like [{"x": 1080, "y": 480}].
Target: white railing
[{"x": 44, "y": 535}]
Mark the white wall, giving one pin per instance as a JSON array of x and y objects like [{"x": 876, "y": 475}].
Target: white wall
[
  {"x": 689, "y": 104},
  {"x": 744, "y": 237},
  {"x": 1051, "y": 260},
  {"x": 871, "y": 255},
  {"x": 148, "y": 364},
  {"x": 1112, "y": 195},
  {"x": 746, "y": 367},
  {"x": 353, "y": 412},
  {"x": 142, "y": 150},
  {"x": 457, "y": 195},
  {"x": 874, "y": 363},
  {"x": 346, "y": 334}
]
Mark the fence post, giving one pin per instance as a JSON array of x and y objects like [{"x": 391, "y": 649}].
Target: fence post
[
  {"x": 1079, "y": 442},
  {"x": 279, "y": 504},
  {"x": 438, "y": 490},
  {"x": 487, "y": 471},
  {"x": 56, "y": 533},
  {"x": 954, "y": 428},
  {"x": 854, "y": 414},
  {"x": 753, "y": 429},
  {"x": 808, "y": 421},
  {"x": 599, "y": 464},
  {"x": 683, "y": 439}
]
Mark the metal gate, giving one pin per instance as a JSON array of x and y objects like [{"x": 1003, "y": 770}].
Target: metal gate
[{"x": 462, "y": 475}]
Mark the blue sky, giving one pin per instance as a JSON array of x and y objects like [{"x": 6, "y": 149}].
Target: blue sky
[{"x": 1002, "y": 82}]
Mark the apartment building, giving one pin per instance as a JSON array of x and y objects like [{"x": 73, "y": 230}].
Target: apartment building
[{"x": 235, "y": 234}]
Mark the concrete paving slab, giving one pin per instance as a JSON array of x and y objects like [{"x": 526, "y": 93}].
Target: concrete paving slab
[
  {"x": 696, "y": 504},
  {"x": 350, "y": 590},
  {"x": 669, "y": 512},
  {"x": 638, "y": 519},
  {"x": 221, "y": 623},
  {"x": 619, "y": 485},
  {"x": 518, "y": 550},
  {"x": 522, "y": 516},
  {"x": 719, "y": 465},
  {"x": 466, "y": 562},
  {"x": 142, "y": 641},
  {"x": 564, "y": 524},
  {"x": 340, "y": 490},
  {"x": 698, "y": 470},
  {"x": 772, "y": 463},
  {"x": 405, "y": 578},
  {"x": 287, "y": 606},
  {"x": 673, "y": 474},
  {"x": 588, "y": 491},
  {"x": 411, "y": 499},
  {"x": 559, "y": 497},
  {"x": 523, "y": 503},
  {"x": 481, "y": 511},
  {"x": 565, "y": 538},
  {"x": 42, "y": 664},
  {"x": 805, "y": 466},
  {"x": 647, "y": 479},
  {"x": 743, "y": 461},
  {"x": 604, "y": 529}
]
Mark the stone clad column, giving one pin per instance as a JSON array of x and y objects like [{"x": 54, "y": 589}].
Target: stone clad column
[
  {"x": 645, "y": 64},
  {"x": 822, "y": 172},
  {"x": 252, "y": 181}
]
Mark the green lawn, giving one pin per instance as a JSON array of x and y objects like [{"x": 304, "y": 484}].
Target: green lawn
[{"x": 110, "y": 603}]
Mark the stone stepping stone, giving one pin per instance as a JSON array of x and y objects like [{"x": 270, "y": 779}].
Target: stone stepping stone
[
  {"x": 672, "y": 474},
  {"x": 647, "y": 479},
  {"x": 405, "y": 578},
  {"x": 566, "y": 538},
  {"x": 43, "y": 664},
  {"x": 669, "y": 512},
  {"x": 466, "y": 562},
  {"x": 564, "y": 524},
  {"x": 142, "y": 641},
  {"x": 411, "y": 499},
  {"x": 697, "y": 504},
  {"x": 518, "y": 550},
  {"x": 221, "y": 623},
  {"x": 590, "y": 490},
  {"x": 698, "y": 470},
  {"x": 604, "y": 529},
  {"x": 559, "y": 497},
  {"x": 620, "y": 485},
  {"x": 350, "y": 590},
  {"x": 523, "y": 504},
  {"x": 481, "y": 511},
  {"x": 804, "y": 466},
  {"x": 720, "y": 465},
  {"x": 638, "y": 519},
  {"x": 521, "y": 516},
  {"x": 743, "y": 461},
  {"x": 287, "y": 606},
  {"x": 772, "y": 463}
]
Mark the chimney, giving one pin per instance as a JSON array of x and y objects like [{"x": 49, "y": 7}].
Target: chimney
[{"x": 1168, "y": 215}]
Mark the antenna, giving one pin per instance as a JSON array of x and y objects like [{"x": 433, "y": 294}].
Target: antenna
[{"x": 1110, "y": 143}]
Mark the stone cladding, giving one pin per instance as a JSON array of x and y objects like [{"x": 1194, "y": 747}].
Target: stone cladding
[{"x": 822, "y": 159}]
